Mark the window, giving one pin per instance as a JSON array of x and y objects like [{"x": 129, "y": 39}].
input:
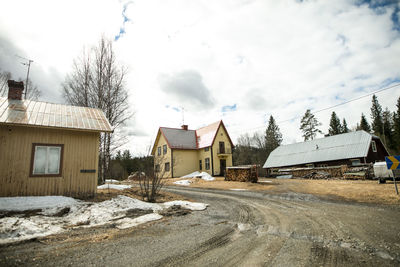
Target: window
[
  {"x": 206, "y": 149},
  {"x": 46, "y": 160},
  {"x": 157, "y": 168},
  {"x": 201, "y": 166},
  {"x": 355, "y": 162},
  {"x": 159, "y": 151},
  {"x": 207, "y": 163},
  {"x": 164, "y": 148},
  {"x": 166, "y": 167},
  {"x": 373, "y": 144}
]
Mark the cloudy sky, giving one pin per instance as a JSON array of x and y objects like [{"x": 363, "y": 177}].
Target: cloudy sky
[{"x": 240, "y": 61}]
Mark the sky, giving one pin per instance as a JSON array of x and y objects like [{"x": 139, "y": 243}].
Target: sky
[{"x": 201, "y": 61}]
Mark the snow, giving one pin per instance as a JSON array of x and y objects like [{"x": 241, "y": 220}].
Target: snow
[
  {"x": 114, "y": 186},
  {"x": 238, "y": 189},
  {"x": 203, "y": 175},
  {"x": 32, "y": 203},
  {"x": 111, "y": 181},
  {"x": 81, "y": 214},
  {"x": 186, "y": 204},
  {"x": 183, "y": 182}
]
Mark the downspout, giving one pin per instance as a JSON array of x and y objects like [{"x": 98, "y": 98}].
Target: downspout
[
  {"x": 172, "y": 164},
  {"x": 212, "y": 162}
]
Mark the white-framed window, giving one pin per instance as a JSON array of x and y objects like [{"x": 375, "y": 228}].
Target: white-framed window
[
  {"x": 206, "y": 149},
  {"x": 207, "y": 163},
  {"x": 164, "y": 149},
  {"x": 159, "y": 151},
  {"x": 373, "y": 145},
  {"x": 167, "y": 167},
  {"x": 46, "y": 160}
]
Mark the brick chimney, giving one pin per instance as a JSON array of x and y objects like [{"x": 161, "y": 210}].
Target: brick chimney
[
  {"x": 184, "y": 127},
  {"x": 15, "y": 90}
]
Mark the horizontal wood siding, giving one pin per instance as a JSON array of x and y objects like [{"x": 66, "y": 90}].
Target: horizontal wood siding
[{"x": 80, "y": 152}]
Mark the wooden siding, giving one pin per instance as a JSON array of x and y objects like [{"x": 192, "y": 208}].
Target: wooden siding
[{"x": 80, "y": 152}]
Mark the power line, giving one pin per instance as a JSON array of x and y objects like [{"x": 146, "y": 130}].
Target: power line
[{"x": 327, "y": 108}]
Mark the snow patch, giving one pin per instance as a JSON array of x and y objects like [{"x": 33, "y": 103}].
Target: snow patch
[
  {"x": 186, "y": 204},
  {"x": 114, "y": 186},
  {"x": 33, "y": 203},
  {"x": 112, "y": 181},
  {"x": 183, "y": 182},
  {"x": 238, "y": 189},
  {"x": 79, "y": 214},
  {"x": 203, "y": 175}
]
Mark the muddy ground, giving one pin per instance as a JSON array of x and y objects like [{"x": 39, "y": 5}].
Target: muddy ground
[{"x": 238, "y": 228}]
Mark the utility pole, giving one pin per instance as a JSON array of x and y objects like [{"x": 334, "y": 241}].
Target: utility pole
[{"x": 27, "y": 74}]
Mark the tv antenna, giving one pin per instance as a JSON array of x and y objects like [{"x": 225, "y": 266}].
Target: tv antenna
[
  {"x": 27, "y": 63},
  {"x": 183, "y": 115}
]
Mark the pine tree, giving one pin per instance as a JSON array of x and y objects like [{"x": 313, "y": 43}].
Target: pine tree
[
  {"x": 388, "y": 129},
  {"x": 308, "y": 125},
  {"x": 334, "y": 126},
  {"x": 376, "y": 116},
  {"x": 396, "y": 122},
  {"x": 273, "y": 136},
  {"x": 345, "y": 129},
  {"x": 364, "y": 125}
]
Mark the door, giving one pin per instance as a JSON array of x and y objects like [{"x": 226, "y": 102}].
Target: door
[{"x": 222, "y": 166}]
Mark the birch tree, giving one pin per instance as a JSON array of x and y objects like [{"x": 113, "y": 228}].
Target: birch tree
[
  {"x": 309, "y": 126},
  {"x": 97, "y": 80}
]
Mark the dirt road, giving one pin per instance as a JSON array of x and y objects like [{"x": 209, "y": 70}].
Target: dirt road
[{"x": 241, "y": 229}]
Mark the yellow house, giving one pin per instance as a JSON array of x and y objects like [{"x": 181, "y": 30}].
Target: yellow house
[{"x": 178, "y": 152}]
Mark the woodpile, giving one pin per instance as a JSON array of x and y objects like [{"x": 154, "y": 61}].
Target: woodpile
[
  {"x": 242, "y": 174},
  {"x": 341, "y": 172}
]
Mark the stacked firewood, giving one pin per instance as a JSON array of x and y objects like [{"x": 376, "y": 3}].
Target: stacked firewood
[{"x": 242, "y": 174}]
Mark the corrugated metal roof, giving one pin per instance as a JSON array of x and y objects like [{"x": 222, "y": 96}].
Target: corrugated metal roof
[
  {"x": 205, "y": 135},
  {"x": 42, "y": 114},
  {"x": 342, "y": 146},
  {"x": 178, "y": 138}
]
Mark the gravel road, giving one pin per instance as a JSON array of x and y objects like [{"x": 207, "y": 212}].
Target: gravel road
[{"x": 239, "y": 228}]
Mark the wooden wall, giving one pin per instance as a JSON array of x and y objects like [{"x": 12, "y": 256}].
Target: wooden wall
[{"x": 80, "y": 152}]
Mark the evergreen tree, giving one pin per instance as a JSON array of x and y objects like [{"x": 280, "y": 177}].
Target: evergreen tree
[
  {"x": 308, "y": 125},
  {"x": 334, "y": 126},
  {"x": 376, "y": 116},
  {"x": 388, "y": 129},
  {"x": 345, "y": 129},
  {"x": 396, "y": 122},
  {"x": 364, "y": 125},
  {"x": 273, "y": 136}
]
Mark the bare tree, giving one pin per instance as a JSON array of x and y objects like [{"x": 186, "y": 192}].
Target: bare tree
[
  {"x": 33, "y": 92},
  {"x": 152, "y": 182},
  {"x": 98, "y": 80}
]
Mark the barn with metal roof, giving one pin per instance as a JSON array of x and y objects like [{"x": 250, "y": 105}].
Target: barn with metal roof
[
  {"x": 48, "y": 149},
  {"x": 343, "y": 149}
]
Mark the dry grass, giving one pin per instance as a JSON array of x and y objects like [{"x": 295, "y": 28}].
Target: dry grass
[
  {"x": 349, "y": 190},
  {"x": 106, "y": 194}
]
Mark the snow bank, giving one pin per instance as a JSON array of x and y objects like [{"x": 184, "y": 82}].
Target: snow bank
[
  {"x": 32, "y": 203},
  {"x": 114, "y": 186},
  {"x": 79, "y": 214},
  {"x": 202, "y": 175},
  {"x": 183, "y": 182}
]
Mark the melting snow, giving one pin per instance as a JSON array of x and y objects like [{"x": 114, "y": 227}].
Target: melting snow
[
  {"x": 114, "y": 186},
  {"x": 238, "y": 189},
  {"x": 80, "y": 214},
  {"x": 112, "y": 181},
  {"x": 202, "y": 175},
  {"x": 183, "y": 182}
]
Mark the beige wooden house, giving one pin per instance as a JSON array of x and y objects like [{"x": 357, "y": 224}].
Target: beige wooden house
[
  {"x": 48, "y": 149},
  {"x": 178, "y": 152}
]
